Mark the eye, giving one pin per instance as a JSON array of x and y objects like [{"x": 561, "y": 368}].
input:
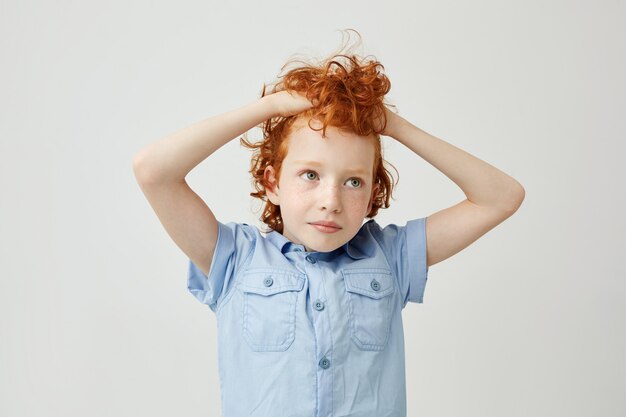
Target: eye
[
  {"x": 310, "y": 175},
  {"x": 354, "y": 182}
]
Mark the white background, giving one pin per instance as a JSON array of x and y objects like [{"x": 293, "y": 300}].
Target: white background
[{"x": 95, "y": 318}]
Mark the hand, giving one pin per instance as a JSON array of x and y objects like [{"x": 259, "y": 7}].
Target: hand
[{"x": 288, "y": 104}]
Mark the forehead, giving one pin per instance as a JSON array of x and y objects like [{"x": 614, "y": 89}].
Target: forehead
[{"x": 337, "y": 148}]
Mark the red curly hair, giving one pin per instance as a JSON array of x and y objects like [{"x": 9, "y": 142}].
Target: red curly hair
[{"x": 348, "y": 93}]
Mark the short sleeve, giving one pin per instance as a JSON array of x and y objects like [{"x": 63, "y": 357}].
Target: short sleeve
[
  {"x": 235, "y": 242},
  {"x": 405, "y": 248}
]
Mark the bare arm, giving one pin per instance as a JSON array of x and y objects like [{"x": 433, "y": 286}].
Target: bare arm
[
  {"x": 492, "y": 195},
  {"x": 173, "y": 157},
  {"x": 161, "y": 168}
]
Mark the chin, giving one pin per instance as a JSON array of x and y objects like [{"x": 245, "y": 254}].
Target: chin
[{"x": 324, "y": 247}]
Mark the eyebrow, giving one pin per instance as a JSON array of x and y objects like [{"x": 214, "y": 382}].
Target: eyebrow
[{"x": 357, "y": 171}]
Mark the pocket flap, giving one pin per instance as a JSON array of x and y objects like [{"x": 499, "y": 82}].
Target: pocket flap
[
  {"x": 372, "y": 282},
  {"x": 268, "y": 281}
]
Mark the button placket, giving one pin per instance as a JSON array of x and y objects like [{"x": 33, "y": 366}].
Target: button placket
[{"x": 321, "y": 322}]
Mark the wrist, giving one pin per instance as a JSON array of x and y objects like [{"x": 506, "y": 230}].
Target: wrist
[
  {"x": 394, "y": 123},
  {"x": 269, "y": 103}
]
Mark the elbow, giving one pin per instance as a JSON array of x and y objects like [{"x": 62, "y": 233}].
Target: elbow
[
  {"x": 142, "y": 174},
  {"x": 515, "y": 198},
  {"x": 147, "y": 173}
]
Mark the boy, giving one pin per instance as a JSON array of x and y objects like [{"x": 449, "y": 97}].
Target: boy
[{"x": 309, "y": 316}]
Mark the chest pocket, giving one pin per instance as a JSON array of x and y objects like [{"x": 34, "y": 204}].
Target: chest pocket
[
  {"x": 269, "y": 308},
  {"x": 369, "y": 297}
]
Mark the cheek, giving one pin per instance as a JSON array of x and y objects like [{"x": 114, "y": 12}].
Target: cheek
[
  {"x": 293, "y": 199},
  {"x": 301, "y": 186},
  {"x": 299, "y": 191},
  {"x": 357, "y": 201}
]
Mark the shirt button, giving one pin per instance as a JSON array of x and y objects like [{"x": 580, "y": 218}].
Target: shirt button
[
  {"x": 310, "y": 259},
  {"x": 375, "y": 285},
  {"x": 324, "y": 363},
  {"x": 319, "y": 305},
  {"x": 268, "y": 281}
]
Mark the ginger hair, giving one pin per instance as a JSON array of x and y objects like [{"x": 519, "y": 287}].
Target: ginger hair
[{"x": 348, "y": 92}]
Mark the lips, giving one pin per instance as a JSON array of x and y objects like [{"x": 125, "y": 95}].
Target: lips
[
  {"x": 327, "y": 224},
  {"x": 326, "y": 227}
]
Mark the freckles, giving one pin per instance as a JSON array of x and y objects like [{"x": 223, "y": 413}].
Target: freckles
[
  {"x": 300, "y": 185},
  {"x": 357, "y": 202},
  {"x": 300, "y": 191}
]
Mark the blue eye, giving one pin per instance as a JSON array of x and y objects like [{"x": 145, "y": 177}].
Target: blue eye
[
  {"x": 355, "y": 182},
  {"x": 310, "y": 175}
]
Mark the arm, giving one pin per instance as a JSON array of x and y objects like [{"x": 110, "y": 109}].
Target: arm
[
  {"x": 492, "y": 195},
  {"x": 173, "y": 157},
  {"x": 161, "y": 168}
]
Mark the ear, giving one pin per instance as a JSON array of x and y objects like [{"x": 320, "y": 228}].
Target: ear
[
  {"x": 271, "y": 189},
  {"x": 375, "y": 189}
]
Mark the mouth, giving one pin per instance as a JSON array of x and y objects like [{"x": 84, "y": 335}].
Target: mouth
[{"x": 326, "y": 227}]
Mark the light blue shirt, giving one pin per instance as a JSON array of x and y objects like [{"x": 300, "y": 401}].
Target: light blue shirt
[{"x": 313, "y": 334}]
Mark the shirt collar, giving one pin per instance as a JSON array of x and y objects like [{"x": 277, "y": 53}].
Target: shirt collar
[{"x": 285, "y": 245}]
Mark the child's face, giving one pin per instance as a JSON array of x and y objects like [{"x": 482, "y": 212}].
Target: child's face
[{"x": 323, "y": 179}]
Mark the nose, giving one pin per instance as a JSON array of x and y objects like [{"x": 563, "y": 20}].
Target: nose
[{"x": 330, "y": 198}]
